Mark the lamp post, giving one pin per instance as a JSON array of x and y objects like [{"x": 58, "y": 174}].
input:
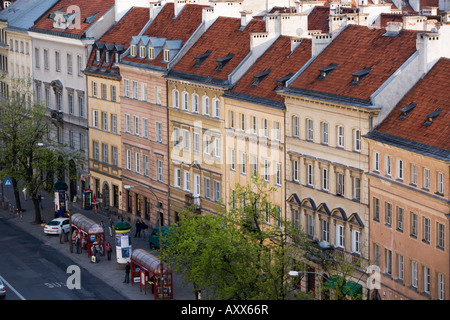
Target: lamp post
[{"x": 161, "y": 275}]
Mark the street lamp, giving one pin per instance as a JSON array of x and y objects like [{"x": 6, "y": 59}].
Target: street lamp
[{"x": 161, "y": 275}]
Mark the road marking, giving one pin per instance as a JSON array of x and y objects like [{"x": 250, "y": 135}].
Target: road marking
[{"x": 12, "y": 288}]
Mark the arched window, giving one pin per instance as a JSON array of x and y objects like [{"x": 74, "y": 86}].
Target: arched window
[{"x": 175, "y": 98}]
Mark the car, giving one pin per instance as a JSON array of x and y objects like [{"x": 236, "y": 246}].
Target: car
[
  {"x": 54, "y": 226},
  {"x": 153, "y": 238},
  {"x": 2, "y": 289}
]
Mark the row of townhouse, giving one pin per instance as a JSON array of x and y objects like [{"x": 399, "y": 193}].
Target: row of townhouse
[{"x": 174, "y": 102}]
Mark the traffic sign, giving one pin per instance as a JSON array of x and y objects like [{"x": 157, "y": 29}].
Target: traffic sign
[{"x": 8, "y": 182}]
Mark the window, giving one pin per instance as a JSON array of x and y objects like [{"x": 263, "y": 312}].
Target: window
[
  {"x": 159, "y": 132},
  {"x": 340, "y": 136},
  {"x": 310, "y": 225},
  {"x": 339, "y": 236},
  {"x": 266, "y": 170},
  {"x": 80, "y": 65},
  {"x": 196, "y": 142},
  {"x": 105, "y": 121},
  {"x": 376, "y": 254},
  {"x": 232, "y": 159},
  {"x": 175, "y": 98},
  {"x": 114, "y": 123},
  {"x": 166, "y": 55},
  {"x": 57, "y": 61},
  {"x": 69, "y": 63},
  {"x": 357, "y": 189},
  {"x": 400, "y": 267},
  {"x": 426, "y": 279},
  {"x": 441, "y": 286},
  {"x": 217, "y": 147},
  {"x": 242, "y": 122},
  {"x": 186, "y": 140},
  {"x": 151, "y": 53},
  {"x": 205, "y": 105},
  {"x": 254, "y": 164},
  {"x": 113, "y": 94},
  {"x": 325, "y": 231},
  {"x": 388, "y": 262},
  {"x": 185, "y": 100},
  {"x": 95, "y": 118},
  {"x": 400, "y": 217},
  {"x": 217, "y": 191},
  {"x": 231, "y": 124},
  {"x": 142, "y": 51},
  {"x": 426, "y": 229},
  {"x": 207, "y": 145},
  {"x": 254, "y": 125},
  {"x": 376, "y": 161},
  {"x": 265, "y": 127},
  {"x": 186, "y": 180},
  {"x": 295, "y": 170},
  {"x": 277, "y": 131},
  {"x": 296, "y": 219},
  {"x": 46, "y": 59},
  {"x": 70, "y": 100},
  {"x": 216, "y": 108},
  {"x": 81, "y": 105},
  {"x": 115, "y": 156},
  {"x": 413, "y": 174},
  {"x": 146, "y": 166},
  {"x": 440, "y": 183},
  {"x": 310, "y": 173},
  {"x": 95, "y": 150},
  {"x": 136, "y": 125},
  {"x": 157, "y": 95},
  {"x": 244, "y": 163},
  {"x": 309, "y": 130},
  {"x": 414, "y": 276},
  {"x": 278, "y": 174},
  {"x": 105, "y": 152},
  {"x": 357, "y": 140},
  {"x": 324, "y": 133},
  {"x": 176, "y": 137},
  {"x": 440, "y": 235},
  {"x": 177, "y": 177},
  {"x": 126, "y": 88},
  {"x": 388, "y": 214},
  {"x": 133, "y": 50},
  {"x": 37, "y": 61},
  {"x": 127, "y": 123},
  {"x": 137, "y": 162},
  {"x": 356, "y": 241},
  {"x": 135, "y": 90},
  {"x": 340, "y": 184},
  {"x": 145, "y": 128},
  {"x": 94, "y": 89},
  {"x": 295, "y": 126},
  {"x": 426, "y": 178},
  {"x": 207, "y": 188},
  {"x": 413, "y": 224},
  {"x": 159, "y": 170},
  {"x": 400, "y": 169},
  {"x": 325, "y": 179},
  {"x": 388, "y": 165},
  {"x": 71, "y": 139}
]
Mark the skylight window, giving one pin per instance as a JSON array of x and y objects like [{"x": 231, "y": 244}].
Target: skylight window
[
  {"x": 223, "y": 61},
  {"x": 360, "y": 75},
  {"x": 281, "y": 83},
  {"x": 324, "y": 72},
  {"x": 199, "y": 59},
  {"x": 432, "y": 116},
  {"x": 260, "y": 77},
  {"x": 406, "y": 110}
]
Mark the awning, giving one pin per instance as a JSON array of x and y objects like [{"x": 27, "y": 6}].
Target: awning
[{"x": 350, "y": 288}]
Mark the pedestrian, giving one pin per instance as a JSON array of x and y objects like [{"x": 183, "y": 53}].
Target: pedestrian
[
  {"x": 111, "y": 226},
  {"x": 138, "y": 229},
  {"x": 102, "y": 225},
  {"x": 108, "y": 250},
  {"x": 127, "y": 273}
]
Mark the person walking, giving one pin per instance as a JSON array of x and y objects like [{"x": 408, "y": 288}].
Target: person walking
[
  {"x": 108, "y": 250},
  {"x": 40, "y": 201},
  {"x": 127, "y": 273},
  {"x": 138, "y": 229}
]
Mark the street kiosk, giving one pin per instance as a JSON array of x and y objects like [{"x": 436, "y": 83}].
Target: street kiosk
[
  {"x": 87, "y": 199},
  {"x": 91, "y": 232},
  {"x": 146, "y": 269},
  {"x": 123, "y": 243}
]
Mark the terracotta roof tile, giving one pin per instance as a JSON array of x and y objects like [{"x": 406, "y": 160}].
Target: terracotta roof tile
[
  {"x": 280, "y": 61},
  {"x": 222, "y": 38},
  {"x": 165, "y": 26},
  {"x": 353, "y": 50},
  {"x": 429, "y": 94},
  {"x": 93, "y": 9},
  {"x": 318, "y": 19}
]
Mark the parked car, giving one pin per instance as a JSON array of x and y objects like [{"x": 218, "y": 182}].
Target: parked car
[
  {"x": 2, "y": 289},
  {"x": 54, "y": 226},
  {"x": 153, "y": 238}
]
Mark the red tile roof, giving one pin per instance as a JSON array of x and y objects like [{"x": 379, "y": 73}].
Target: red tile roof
[
  {"x": 88, "y": 8},
  {"x": 222, "y": 38},
  {"x": 165, "y": 26},
  {"x": 280, "y": 61},
  {"x": 430, "y": 93},
  {"x": 354, "y": 49},
  {"x": 318, "y": 19}
]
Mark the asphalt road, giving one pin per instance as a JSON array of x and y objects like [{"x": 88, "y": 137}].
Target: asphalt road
[{"x": 33, "y": 270}]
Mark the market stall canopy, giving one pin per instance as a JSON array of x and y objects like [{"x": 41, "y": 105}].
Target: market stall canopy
[
  {"x": 148, "y": 261},
  {"x": 87, "y": 225}
]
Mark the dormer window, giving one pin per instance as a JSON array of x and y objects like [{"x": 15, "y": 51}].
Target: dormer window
[
  {"x": 359, "y": 76},
  {"x": 432, "y": 116},
  {"x": 281, "y": 83},
  {"x": 151, "y": 53},
  {"x": 166, "y": 55},
  {"x": 106, "y": 57},
  {"x": 133, "y": 50},
  {"x": 142, "y": 51},
  {"x": 406, "y": 110},
  {"x": 223, "y": 61},
  {"x": 116, "y": 57},
  {"x": 199, "y": 59},
  {"x": 324, "y": 72},
  {"x": 260, "y": 77},
  {"x": 97, "y": 55}
]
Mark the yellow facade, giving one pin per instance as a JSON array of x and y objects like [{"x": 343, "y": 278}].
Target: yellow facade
[{"x": 104, "y": 139}]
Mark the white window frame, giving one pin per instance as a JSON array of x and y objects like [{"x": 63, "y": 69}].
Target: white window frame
[{"x": 340, "y": 137}]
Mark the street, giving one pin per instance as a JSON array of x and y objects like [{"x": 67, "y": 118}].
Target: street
[{"x": 33, "y": 270}]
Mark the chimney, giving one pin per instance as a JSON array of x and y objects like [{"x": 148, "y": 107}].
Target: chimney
[
  {"x": 155, "y": 8},
  {"x": 320, "y": 42},
  {"x": 246, "y": 16},
  {"x": 178, "y": 6},
  {"x": 431, "y": 47}
]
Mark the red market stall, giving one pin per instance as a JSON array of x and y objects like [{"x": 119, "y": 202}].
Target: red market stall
[
  {"x": 145, "y": 269},
  {"x": 91, "y": 233}
]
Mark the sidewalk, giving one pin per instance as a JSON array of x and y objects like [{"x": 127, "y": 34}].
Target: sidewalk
[{"x": 108, "y": 271}]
